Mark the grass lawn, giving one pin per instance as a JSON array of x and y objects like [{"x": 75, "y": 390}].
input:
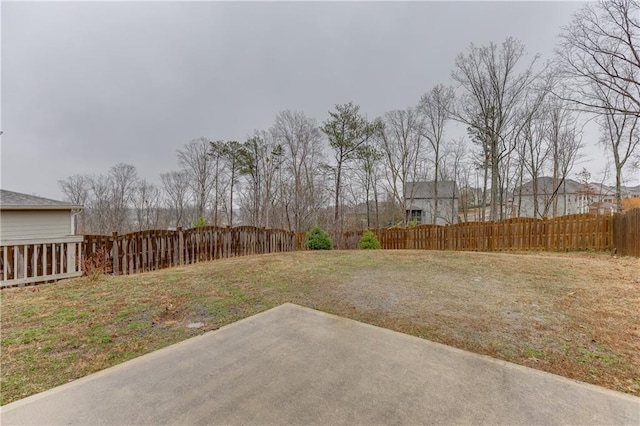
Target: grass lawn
[{"x": 577, "y": 315}]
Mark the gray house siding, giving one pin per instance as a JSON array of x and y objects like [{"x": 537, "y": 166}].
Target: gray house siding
[
  {"x": 571, "y": 197},
  {"x": 34, "y": 224},
  {"x": 420, "y": 203},
  {"x": 27, "y": 217}
]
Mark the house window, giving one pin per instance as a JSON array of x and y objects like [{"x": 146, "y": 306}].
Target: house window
[{"x": 415, "y": 215}]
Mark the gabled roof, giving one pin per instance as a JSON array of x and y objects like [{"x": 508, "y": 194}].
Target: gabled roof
[
  {"x": 546, "y": 186},
  {"x": 10, "y": 200},
  {"x": 426, "y": 190}
]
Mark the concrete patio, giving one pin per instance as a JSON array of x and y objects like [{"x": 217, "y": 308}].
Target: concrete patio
[{"x": 294, "y": 365}]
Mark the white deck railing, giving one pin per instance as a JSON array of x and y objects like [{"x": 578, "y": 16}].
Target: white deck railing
[{"x": 33, "y": 261}]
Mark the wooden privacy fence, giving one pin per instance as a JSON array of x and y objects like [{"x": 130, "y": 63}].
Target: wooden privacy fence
[
  {"x": 152, "y": 250},
  {"x": 575, "y": 232},
  {"x": 627, "y": 233},
  {"x": 42, "y": 260},
  {"x": 300, "y": 240}
]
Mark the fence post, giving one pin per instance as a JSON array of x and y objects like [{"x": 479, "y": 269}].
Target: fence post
[
  {"x": 180, "y": 246},
  {"x": 115, "y": 254}
]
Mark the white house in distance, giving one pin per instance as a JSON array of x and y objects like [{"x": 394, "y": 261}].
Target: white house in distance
[
  {"x": 37, "y": 241},
  {"x": 420, "y": 202},
  {"x": 551, "y": 198},
  {"x": 563, "y": 198}
]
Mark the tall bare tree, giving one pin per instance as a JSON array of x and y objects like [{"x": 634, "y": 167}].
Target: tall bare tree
[
  {"x": 176, "y": 189},
  {"x": 620, "y": 134},
  {"x": 402, "y": 144},
  {"x": 220, "y": 183},
  {"x": 435, "y": 107},
  {"x": 146, "y": 202},
  {"x": 232, "y": 156},
  {"x": 532, "y": 141},
  {"x": 564, "y": 144},
  {"x": 260, "y": 158},
  {"x": 493, "y": 82},
  {"x": 195, "y": 160},
  {"x": 99, "y": 205},
  {"x": 76, "y": 190},
  {"x": 365, "y": 172},
  {"x": 600, "y": 52},
  {"x": 123, "y": 179},
  {"x": 302, "y": 195}
]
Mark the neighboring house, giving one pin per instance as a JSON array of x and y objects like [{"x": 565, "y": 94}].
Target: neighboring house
[
  {"x": 37, "y": 239},
  {"x": 474, "y": 214},
  {"x": 603, "y": 208},
  {"x": 420, "y": 202},
  {"x": 546, "y": 198}
]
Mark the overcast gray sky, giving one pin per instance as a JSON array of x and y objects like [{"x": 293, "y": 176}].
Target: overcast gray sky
[{"x": 87, "y": 85}]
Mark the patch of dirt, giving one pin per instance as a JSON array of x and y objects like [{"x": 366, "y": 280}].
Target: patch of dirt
[{"x": 572, "y": 315}]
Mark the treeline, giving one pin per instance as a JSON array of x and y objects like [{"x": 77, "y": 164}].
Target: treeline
[{"x": 523, "y": 118}]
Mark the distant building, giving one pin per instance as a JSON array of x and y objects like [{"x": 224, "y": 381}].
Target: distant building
[
  {"x": 420, "y": 202},
  {"x": 546, "y": 198}
]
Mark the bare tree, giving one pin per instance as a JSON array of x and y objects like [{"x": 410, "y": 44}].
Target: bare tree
[
  {"x": 435, "y": 106},
  {"x": 176, "y": 190},
  {"x": 532, "y": 139},
  {"x": 600, "y": 52},
  {"x": 620, "y": 134},
  {"x": 564, "y": 142},
  {"x": 107, "y": 198},
  {"x": 454, "y": 167},
  {"x": 468, "y": 195},
  {"x": 231, "y": 154},
  {"x": 366, "y": 173},
  {"x": 99, "y": 204},
  {"x": 76, "y": 190},
  {"x": 123, "y": 179},
  {"x": 492, "y": 90},
  {"x": 302, "y": 195},
  {"x": 195, "y": 160},
  {"x": 146, "y": 202},
  {"x": 220, "y": 183},
  {"x": 401, "y": 142},
  {"x": 260, "y": 158}
]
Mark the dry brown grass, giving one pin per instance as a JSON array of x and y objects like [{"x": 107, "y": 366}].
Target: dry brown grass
[{"x": 577, "y": 315}]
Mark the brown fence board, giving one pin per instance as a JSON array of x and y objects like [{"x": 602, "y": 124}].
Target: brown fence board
[{"x": 626, "y": 235}]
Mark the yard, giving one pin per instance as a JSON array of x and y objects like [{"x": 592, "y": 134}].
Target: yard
[{"x": 576, "y": 315}]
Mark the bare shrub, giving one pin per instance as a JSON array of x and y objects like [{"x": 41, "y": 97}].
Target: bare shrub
[{"x": 96, "y": 264}]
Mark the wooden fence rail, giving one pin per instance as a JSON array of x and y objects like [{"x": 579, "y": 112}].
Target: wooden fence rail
[
  {"x": 565, "y": 233},
  {"x": 152, "y": 250},
  {"x": 35, "y": 261}
]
